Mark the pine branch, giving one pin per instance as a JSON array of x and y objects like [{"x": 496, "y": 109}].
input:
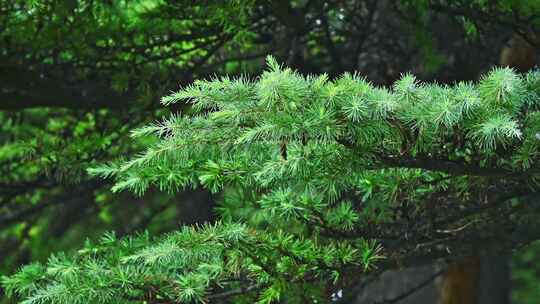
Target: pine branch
[{"x": 446, "y": 166}]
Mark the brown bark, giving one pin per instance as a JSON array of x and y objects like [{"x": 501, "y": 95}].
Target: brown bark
[
  {"x": 460, "y": 284},
  {"x": 519, "y": 54}
]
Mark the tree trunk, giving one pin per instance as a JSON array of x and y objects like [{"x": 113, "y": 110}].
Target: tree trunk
[{"x": 476, "y": 280}]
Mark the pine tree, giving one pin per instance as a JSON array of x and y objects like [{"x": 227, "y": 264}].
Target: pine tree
[{"x": 323, "y": 181}]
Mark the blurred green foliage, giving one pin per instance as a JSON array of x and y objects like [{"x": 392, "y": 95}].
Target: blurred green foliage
[{"x": 526, "y": 275}]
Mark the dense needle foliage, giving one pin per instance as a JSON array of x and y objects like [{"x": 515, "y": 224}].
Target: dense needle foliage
[
  {"x": 322, "y": 180},
  {"x": 77, "y": 75}
]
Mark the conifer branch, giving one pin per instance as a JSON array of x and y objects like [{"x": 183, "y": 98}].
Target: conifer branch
[
  {"x": 334, "y": 170},
  {"x": 442, "y": 165}
]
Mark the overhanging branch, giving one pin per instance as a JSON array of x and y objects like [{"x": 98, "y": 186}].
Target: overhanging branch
[{"x": 443, "y": 165}]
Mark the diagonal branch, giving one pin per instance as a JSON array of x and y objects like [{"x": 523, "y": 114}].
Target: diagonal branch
[
  {"x": 234, "y": 292},
  {"x": 443, "y": 165}
]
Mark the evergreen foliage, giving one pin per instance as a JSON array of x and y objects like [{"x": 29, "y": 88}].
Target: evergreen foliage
[
  {"x": 322, "y": 180},
  {"x": 77, "y": 75}
]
